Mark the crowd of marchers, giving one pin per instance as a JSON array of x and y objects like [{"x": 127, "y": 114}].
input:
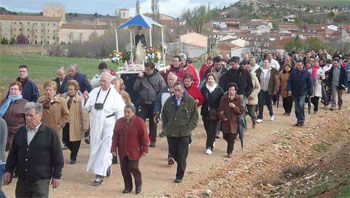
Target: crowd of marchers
[{"x": 35, "y": 128}]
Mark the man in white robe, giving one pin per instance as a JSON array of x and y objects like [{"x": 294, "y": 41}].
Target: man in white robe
[{"x": 105, "y": 106}]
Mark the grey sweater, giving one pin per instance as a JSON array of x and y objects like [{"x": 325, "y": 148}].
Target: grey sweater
[{"x": 3, "y": 139}]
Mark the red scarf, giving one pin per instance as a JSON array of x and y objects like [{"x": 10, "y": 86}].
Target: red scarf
[{"x": 314, "y": 71}]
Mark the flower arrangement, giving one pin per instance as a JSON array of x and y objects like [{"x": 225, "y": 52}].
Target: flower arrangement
[
  {"x": 115, "y": 57},
  {"x": 126, "y": 56},
  {"x": 152, "y": 55}
]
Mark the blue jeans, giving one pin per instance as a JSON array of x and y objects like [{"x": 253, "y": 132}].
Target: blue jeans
[
  {"x": 2, "y": 169},
  {"x": 299, "y": 102}
]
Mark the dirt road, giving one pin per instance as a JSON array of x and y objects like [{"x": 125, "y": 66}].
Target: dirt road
[{"x": 269, "y": 148}]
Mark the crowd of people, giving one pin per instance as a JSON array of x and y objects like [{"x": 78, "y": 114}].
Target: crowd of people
[{"x": 35, "y": 129}]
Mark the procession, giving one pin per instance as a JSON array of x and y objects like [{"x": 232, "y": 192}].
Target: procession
[{"x": 156, "y": 112}]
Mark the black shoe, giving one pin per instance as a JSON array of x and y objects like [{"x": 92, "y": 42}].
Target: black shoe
[
  {"x": 98, "y": 181},
  {"x": 153, "y": 144},
  {"x": 126, "y": 191},
  {"x": 138, "y": 189},
  {"x": 72, "y": 161},
  {"x": 297, "y": 124},
  {"x": 162, "y": 134},
  {"x": 115, "y": 160},
  {"x": 109, "y": 172},
  {"x": 229, "y": 155},
  {"x": 178, "y": 181},
  {"x": 170, "y": 161}
]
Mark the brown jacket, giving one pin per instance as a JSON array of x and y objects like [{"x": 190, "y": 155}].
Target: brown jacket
[
  {"x": 78, "y": 118},
  {"x": 15, "y": 119},
  {"x": 229, "y": 113},
  {"x": 57, "y": 115},
  {"x": 283, "y": 78},
  {"x": 130, "y": 138},
  {"x": 273, "y": 83}
]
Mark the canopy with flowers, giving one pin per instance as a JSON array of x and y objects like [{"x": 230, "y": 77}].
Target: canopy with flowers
[{"x": 152, "y": 55}]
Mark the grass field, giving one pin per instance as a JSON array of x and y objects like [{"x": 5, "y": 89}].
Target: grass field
[{"x": 42, "y": 68}]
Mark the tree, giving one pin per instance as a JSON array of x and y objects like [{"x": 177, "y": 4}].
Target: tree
[
  {"x": 4, "y": 41},
  {"x": 13, "y": 41},
  {"x": 21, "y": 39},
  {"x": 295, "y": 45},
  {"x": 196, "y": 18}
]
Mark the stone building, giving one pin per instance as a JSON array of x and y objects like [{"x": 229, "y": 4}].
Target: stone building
[
  {"x": 78, "y": 32},
  {"x": 37, "y": 29}
]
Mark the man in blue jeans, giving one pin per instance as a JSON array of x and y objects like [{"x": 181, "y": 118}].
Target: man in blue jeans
[
  {"x": 3, "y": 140},
  {"x": 299, "y": 86}
]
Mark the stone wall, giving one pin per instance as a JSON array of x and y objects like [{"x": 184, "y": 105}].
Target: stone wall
[{"x": 24, "y": 49}]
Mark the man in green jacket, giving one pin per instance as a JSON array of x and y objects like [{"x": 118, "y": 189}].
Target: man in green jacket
[{"x": 179, "y": 117}]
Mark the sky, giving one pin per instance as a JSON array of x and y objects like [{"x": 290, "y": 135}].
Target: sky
[{"x": 170, "y": 7}]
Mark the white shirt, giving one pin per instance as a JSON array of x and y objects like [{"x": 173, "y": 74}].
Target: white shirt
[{"x": 31, "y": 133}]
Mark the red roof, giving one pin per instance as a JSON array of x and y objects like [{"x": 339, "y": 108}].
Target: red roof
[{"x": 29, "y": 18}]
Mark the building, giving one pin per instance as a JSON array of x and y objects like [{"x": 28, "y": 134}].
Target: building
[
  {"x": 123, "y": 13},
  {"x": 37, "y": 29},
  {"x": 77, "y": 32}
]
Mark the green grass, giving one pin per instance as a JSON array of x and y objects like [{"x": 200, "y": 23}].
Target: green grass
[
  {"x": 345, "y": 190},
  {"x": 42, "y": 68}
]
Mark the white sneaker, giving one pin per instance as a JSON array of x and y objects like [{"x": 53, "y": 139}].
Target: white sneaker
[
  {"x": 272, "y": 118},
  {"x": 259, "y": 120},
  {"x": 209, "y": 151}
]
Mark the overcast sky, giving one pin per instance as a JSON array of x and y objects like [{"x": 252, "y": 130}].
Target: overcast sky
[{"x": 171, "y": 7}]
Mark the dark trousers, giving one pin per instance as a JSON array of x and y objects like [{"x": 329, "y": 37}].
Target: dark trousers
[
  {"x": 230, "y": 139},
  {"x": 147, "y": 112},
  {"x": 264, "y": 99},
  {"x": 299, "y": 102},
  {"x": 127, "y": 168},
  {"x": 251, "y": 112},
  {"x": 35, "y": 189},
  {"x": 178, "y": 148},
  {"x": 73, "y": 146},
  {"x": 287, "y": 104},
  {"x": 210, "y": 128},
  {"x": 314, "y": 101}
]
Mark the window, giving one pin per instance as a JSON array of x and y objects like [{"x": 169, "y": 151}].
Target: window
[
  {"x": 20, "y": 29},
  {"x": 48, "y": 42},
  {"x": 28, "y": 23},
  {"x": 28, "y": 30},
  {"x": 53, "y": 38}
]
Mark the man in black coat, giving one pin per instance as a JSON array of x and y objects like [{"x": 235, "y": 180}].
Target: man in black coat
[
  {"x": 237, "y": 75},
  {"x": 61, "y": 80},
  {"x": 36, "y": 152},
  {"x": 29, "y": 89},
  {"x": 299, "y": 86}
]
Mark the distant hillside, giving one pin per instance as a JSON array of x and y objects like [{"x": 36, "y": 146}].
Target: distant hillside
[
  {"x": 306, "y": 11},
  {"x": 4, "y": 11}
]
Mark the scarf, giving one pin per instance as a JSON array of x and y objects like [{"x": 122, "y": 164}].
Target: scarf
[
  {"x": 211, "y": 88},
  {"x": 7, "y": 103},
  {"x": 313, "y": 72}
]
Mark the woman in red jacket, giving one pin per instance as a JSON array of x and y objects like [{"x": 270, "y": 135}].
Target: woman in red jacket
[
  {"x": 131, "y": 139},
  {"x": 192, "y": 90}
]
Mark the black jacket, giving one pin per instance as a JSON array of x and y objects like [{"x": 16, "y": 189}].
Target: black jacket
[
  {"x": 241, "y": 77},
  {"x": 211, "y": 100},
  {"x": 299, "y": 83},
  {"x": 61, "y": 88},
  {"x": 342, "y": 78},
  {"x": 42, "y": 159},
  {"x": 84, "y": 84},
  {"x": 29, "y": 90}
]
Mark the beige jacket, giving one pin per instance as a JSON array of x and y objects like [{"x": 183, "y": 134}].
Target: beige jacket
[
  {"x": 253, "y": 98},
  {"x": 78, "y": 118},
  {"x": 56, "y": 115}
]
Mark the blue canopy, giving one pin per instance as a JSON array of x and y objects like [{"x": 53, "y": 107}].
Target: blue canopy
[{"x": 139, "y": 20}]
